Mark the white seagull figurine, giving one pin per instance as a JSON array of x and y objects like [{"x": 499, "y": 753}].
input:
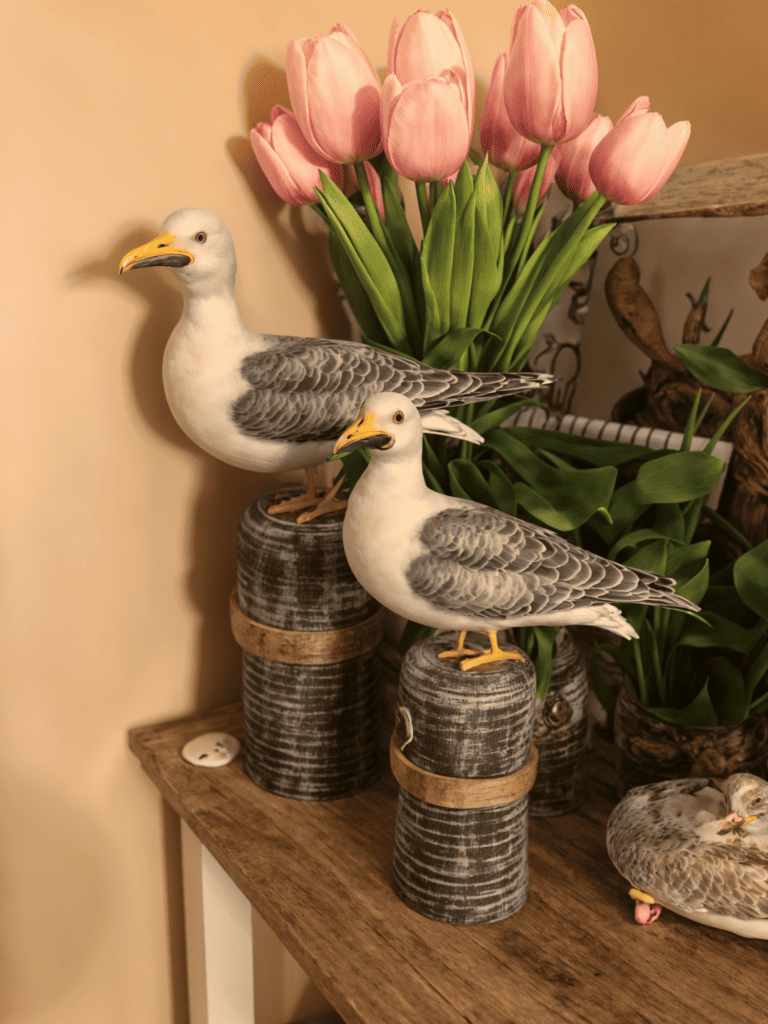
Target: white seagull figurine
[
  {"x": 269, "y": 403},
  {"x": 456, "y": 564},
  {"x": 697, "y": 847}
]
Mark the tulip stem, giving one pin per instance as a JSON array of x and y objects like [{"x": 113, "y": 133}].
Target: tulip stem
[
  {"x": 523, "y": 239},
  {"x": 508, "y": 197},
  {"x": 421, "y": 195},
  {"x": 374, "y": 218}
]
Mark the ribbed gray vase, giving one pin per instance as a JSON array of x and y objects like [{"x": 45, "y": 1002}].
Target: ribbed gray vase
[
  {"x": 311, "y": 731},
  {"x": 561, "y": 734},
  {"x": 464, "y": 866}
]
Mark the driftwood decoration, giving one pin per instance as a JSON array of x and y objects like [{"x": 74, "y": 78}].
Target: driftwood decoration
[
  {"x": 669, "y": 391},
  {"x": 310, "y": 637},
  {"x": 463, "y": 864}
]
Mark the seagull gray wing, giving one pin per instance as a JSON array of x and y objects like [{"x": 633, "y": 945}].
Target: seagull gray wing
[
  {"x": 481, "y": 561},
  {"x": 312, "y": 388}
]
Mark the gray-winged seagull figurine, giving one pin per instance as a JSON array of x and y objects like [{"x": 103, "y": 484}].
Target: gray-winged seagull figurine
[
  {"x": 455, "y": 564},
  {"x": 698, "y": 847},
  {"x": 268, "y": 403}
]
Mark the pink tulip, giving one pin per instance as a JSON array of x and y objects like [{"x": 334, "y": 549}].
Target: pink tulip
[
  {"x": 521, "y": 186},
  {"x": 425, "y": 46},
  {"x": 374, "y": 183},
  {"x": 635, "y": 159},
  {"x": 551, "y": 82},
  {"x": 573, "y": 160},
  {"x": 289, "y": 162},
  {"x": 424, "y": 123},
  {"x": 335, "y": 94},
  {"x": 505, "y": 147}
]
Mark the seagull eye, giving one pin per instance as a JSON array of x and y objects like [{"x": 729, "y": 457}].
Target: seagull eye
[
  {"x": 398, "y": 417},
  {"x": 757, "y": 801},
  {"x": 200, "y": 237}
]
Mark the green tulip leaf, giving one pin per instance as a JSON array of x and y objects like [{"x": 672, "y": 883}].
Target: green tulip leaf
[
  {"x": 684, "y": 561},
  {"x": 591, "y": 450},
  {"x": 356, "y": 294},
  {"x": 722, "y": 369},
  {"x": 668, "y": 519},
  {"x": 495, "y": 417},
  {"x": 699, "y": 712},
  {"x": 501, "y": 487},
  {"x": 368, "y": 261},
  {"x": 719, "y": 632},
  {"x": 758, "y": 671},
  {"x": 694, "y": 589},
  {"x": 448, "y": 350},
  {"x": 468, "y": 482},
  {"x": 437, "y": 263},
  {"x": 727, "y": 690},
  {"x": 463, "y": 263},
  {"x": 676, "y": 477},
  {"x": 576, "y": 494},
  {"x": 750, "y": 577}
]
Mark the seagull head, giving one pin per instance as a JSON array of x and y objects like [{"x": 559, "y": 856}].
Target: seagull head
[
  {"x": 196, "y": 243},
  {"x": 386, "y": 421},
  {"x": 746, "y": 798}
]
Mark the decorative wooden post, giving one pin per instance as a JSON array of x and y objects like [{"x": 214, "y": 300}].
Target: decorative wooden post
[
  {"x": 462, "y": 754},
  {"x": 310, "y": 636},
  {"x": 561, "y": 734}
]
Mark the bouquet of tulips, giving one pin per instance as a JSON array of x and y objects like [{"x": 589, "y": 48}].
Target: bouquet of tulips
[{"x": 473, "y": 291}]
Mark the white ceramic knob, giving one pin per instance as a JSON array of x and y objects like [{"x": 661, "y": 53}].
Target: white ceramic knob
[{"x": 211, "y": 750}]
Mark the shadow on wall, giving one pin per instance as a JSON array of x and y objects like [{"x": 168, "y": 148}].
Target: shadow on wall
[{"x": 303, "y": 238}]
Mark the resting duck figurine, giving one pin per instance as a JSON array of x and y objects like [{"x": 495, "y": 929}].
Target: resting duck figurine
[{"x": 698, "y": 847}]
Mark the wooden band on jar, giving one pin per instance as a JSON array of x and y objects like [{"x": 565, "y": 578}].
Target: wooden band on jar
[
  {"x": 292, "y": 647},
  {"x": 444, "y": 791}
]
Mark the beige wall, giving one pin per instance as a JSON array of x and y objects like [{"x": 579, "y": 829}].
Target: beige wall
[{"x": 118, "y": 536}]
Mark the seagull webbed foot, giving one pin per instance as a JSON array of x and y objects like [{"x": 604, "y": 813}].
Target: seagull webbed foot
[
  {"x": 460, "y": 650},
  {"x": 494, "y": 654},
  {"x": 323, "y": 506}
]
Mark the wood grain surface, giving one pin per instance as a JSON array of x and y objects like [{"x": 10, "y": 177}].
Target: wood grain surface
[
  {"x": 319, "y": 873},
  {"x": 733, "y": 187}
]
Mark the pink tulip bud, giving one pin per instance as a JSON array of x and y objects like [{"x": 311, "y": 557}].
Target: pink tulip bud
[
  {"x": 505, "y": 147},
  {"x": 424, "y": 123},
  {"x": 551, "y": 82},
  {"x": 335, "y": 94},
  {"x": 521, "y": 186},
  {"x": 573, "y": 160},
  {"x": 635, "y": 159},
  {"x": 289, "y": 162},
  {"x": 425, "y": 46}
]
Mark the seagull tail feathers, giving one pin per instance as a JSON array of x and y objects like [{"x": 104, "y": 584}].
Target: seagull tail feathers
[{"x": 439, "y": 421}]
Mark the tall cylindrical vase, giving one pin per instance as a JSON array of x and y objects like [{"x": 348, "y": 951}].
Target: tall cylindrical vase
[
  {"x": 463, "y": 756},
  {"x": 561, "y": 734},
  {"x": 310, "y": 636}
]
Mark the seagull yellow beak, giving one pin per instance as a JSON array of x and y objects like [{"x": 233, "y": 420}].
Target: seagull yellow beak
[
  {"x": 734, "y": 821},
  {"x": 160, "y": 252},
  {"x": 362, "y": 434}
]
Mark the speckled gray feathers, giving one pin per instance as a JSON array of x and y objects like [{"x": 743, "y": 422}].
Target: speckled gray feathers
[
  {"x": 311, "y": 389},
  {"x": 485, "y": 563},
  {"x": 656, "y": 847}
]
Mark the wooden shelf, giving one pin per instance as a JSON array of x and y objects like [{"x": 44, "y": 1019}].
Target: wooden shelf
[
  {"x": 319, "y": 874},
  {"x": 735, "y": 187}
]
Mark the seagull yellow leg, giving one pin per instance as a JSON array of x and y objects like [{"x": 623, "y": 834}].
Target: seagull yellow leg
[
  {"x": 460, "y": 650},
  {"x": 330, "y": 503},
  {"x": 494, "y": 654}
]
